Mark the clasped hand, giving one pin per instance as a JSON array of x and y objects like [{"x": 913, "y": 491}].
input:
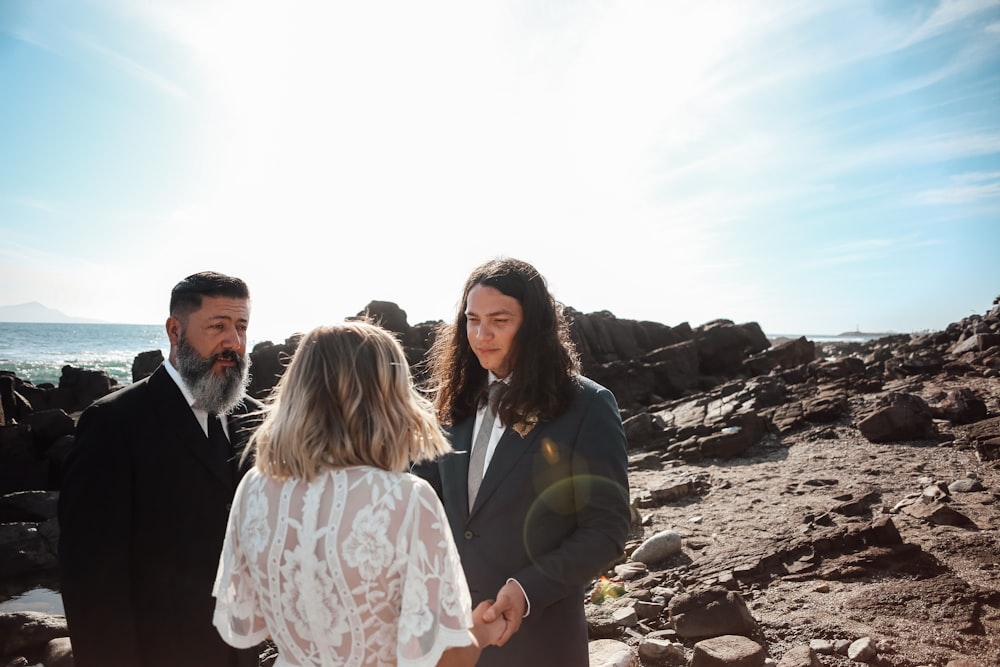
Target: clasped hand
[{"x": 509, "y": 607}]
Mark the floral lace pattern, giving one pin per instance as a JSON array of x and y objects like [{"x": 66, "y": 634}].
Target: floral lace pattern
[{"x": 356, "y": 567}]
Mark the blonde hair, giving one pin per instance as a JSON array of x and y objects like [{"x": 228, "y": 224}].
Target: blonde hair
[{"x": 347, "y": 398}]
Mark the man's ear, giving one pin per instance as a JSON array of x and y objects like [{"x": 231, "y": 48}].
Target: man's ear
[{"x": 173, "y": 330}]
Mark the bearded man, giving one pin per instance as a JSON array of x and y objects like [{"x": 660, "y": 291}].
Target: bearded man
[{"x": 146, "y": 492}]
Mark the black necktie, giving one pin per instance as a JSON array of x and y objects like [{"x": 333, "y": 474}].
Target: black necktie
[{"x": 221, "y": 449}]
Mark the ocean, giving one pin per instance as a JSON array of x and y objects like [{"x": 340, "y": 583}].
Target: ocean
[{"x": 38, "y": 352}]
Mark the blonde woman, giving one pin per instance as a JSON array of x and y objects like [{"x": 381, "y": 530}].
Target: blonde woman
[{"x": 332, "y": 550}]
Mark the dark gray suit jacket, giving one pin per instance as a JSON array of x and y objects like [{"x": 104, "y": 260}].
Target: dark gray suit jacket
[
  {"x": 142, "y": 510},
  {"x": 552, "y": 512}
]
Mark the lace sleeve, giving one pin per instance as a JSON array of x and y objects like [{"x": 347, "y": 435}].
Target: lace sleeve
[
  {"x": 238, "y": 616},
  {"x": 436, "y": 609}
]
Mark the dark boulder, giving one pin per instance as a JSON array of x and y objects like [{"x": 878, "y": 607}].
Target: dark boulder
[
  {"x": 145, "y": 363},
  {"x": 267, "y": 363},
  {"x": 787, "y": 354},
  {"x": 899, "y": 417}
]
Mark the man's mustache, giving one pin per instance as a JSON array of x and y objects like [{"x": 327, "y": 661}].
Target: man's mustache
[{"x": 227, "y": 355}]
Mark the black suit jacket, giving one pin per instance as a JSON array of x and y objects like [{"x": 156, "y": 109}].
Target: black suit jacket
[
  {"x": 142, "y": 511},
  {"x": 552, "y": 512}
]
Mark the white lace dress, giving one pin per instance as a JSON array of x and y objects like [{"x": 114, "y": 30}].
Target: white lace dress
[{"x": 357, "y": 567}]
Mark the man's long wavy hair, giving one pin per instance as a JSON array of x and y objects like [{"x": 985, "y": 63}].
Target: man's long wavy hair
[
  {"x": 347, "y": 398},
  {"x": 544, "y": 364}
]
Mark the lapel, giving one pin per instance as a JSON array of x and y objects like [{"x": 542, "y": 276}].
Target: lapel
[
  {"x": 182, "y": 426},
  {"x": 454, "y": 469},
  {"x": 511, "y": 449}
]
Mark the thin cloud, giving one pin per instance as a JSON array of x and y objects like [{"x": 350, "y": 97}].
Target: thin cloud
[
  {"x": 978, "y": 177},
  {"x": 946, "y": 16},
  {"x": 965, "y": 189},
  {"x": 118, "y": 60},
  {"x": 869, "y": 244},
  {"x": 34, "y": 204},
  {"x": 913, "y": 150},
  {"x": 755, "y": 66},
  {"x": 29, "y": 37},
  {"x": 766, "y": 64},
  {"x": 900, "y": 89},
  {"x": 953, "y": 146},
  {"x": 29, "y": 255},
  {"x": 867, "y": 250},
  {"x": 765, "y": 57},
  {"x": 133, "y": 68}
]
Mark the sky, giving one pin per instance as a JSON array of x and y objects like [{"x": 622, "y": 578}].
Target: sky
[{"x": 815, "y": 167}]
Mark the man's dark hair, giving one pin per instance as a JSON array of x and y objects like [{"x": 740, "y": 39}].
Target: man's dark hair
[
  {"x": 544, "y": 363},
  {"x": 186, "y": 296}
]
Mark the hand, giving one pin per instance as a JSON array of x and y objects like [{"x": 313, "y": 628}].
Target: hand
[
  {"x": 485, "y": 632},
  {"x": 511, "y": 605}
]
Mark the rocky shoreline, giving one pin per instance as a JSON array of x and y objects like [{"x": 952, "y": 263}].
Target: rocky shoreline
[{"x": 795, "y": 503}]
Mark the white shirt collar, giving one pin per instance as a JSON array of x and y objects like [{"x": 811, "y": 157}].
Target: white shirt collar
[
  {"x": 491, "y": 378},
  {"x": 179, "y": 381},
  {"x": 199, "y": 413}
]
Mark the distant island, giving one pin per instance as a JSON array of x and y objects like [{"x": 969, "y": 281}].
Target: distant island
[
  {"x": 36, "y": 313},
  {"x": 865, "y": 334}
]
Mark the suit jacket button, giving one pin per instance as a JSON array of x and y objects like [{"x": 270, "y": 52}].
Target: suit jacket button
[
  {"x": 469, "y": 535},
  {"x": 229, "y": 506}
]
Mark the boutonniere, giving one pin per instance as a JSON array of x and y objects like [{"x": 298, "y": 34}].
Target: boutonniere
[{"x": 524, "y": 426}]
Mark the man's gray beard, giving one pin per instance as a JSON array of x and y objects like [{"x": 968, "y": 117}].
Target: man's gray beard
[{"x": 218, "y": 394}]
